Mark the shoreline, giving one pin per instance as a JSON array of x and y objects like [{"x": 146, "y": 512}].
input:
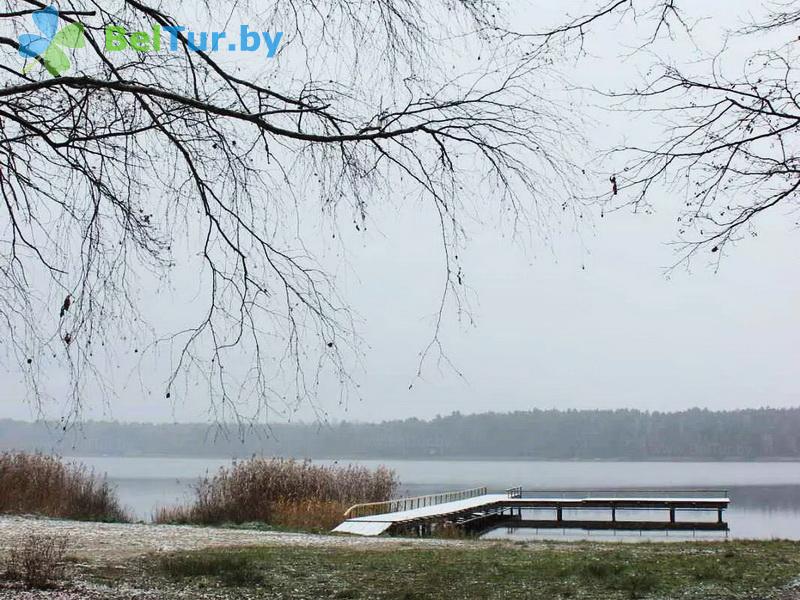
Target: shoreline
[{"x": 734, "y": 460}]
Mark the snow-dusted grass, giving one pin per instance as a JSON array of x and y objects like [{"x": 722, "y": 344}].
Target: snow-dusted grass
[
  {"x": 732, "y": 570},
  {"x": 124, "y": 561},
  {"x": 737, "y": 570}
]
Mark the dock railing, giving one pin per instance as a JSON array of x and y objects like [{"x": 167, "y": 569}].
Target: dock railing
[
  {"x": 514, "y": 492},
  {"x": 400, "y": 504},
  {"x": 642, "y": 493}
]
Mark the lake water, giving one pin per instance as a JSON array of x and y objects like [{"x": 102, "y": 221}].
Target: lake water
[{"x": 765, "y": 496}]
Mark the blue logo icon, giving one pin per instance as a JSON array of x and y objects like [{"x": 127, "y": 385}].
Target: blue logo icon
[{"x": 47, "y": 47}]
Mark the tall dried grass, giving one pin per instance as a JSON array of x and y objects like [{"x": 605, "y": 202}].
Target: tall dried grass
[
  {"x": 308, "y": 515},
  {"x": 45, "y": 485},
  {"x": 282, "y": 492}
]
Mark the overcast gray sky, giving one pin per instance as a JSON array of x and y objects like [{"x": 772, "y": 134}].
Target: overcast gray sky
[{"x": 588, "y": 319}]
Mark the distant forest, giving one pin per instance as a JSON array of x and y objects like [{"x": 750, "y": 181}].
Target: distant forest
[{"x": 537, "y": 434}]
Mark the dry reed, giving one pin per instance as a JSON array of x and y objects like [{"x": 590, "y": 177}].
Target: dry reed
[
  {"x": 286, "y": 493},
  {"x": 44, "y": 485}
]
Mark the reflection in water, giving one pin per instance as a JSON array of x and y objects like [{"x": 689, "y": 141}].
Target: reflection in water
[
  {"x": 772, "y": 497},
  {"x": 572, "y": 535},
  {"x": 763, "y": 512}
]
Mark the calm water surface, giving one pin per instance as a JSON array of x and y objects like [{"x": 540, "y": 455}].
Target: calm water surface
[{"x": 765, "y": 496}]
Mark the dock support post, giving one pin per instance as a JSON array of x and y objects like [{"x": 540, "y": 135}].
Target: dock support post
[
  {"x": 672, "y": 514},
  {"x": 559, "y": 514},
  {"x": 719, "y": 515},
  {"x": 613, "y": 514}
]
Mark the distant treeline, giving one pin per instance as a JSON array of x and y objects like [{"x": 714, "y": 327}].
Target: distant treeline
[{"x": 539, "y": 434}]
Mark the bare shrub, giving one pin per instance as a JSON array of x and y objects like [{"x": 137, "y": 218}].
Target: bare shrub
[
  {"x": 45, "y": 485},
  {"x": 37, "y": 561},
  {"x": 282, "y": 492}
]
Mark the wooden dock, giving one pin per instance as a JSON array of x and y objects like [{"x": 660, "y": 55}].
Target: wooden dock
[{"x": 477, "y": 511}]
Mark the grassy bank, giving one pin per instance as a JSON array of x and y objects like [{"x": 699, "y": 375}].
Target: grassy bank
[{"x": 733, "y": 570}]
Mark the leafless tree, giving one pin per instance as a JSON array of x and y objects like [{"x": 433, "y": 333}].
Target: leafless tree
[
  {"x": 731, "y": 131},
  {"x": 130, "y": 165}
]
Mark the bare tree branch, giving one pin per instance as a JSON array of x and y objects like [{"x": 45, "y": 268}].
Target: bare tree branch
[{"x": 137, "y": 166}]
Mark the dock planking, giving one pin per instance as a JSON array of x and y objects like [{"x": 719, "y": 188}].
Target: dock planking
[{"x": 477, "y": 510}]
